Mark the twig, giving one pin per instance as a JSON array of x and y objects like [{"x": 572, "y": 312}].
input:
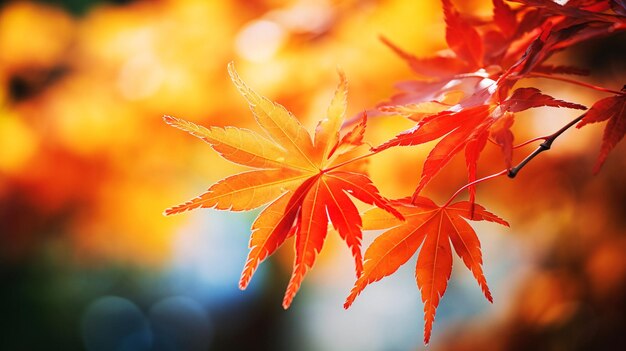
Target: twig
[{"x": 547, "y": 143}]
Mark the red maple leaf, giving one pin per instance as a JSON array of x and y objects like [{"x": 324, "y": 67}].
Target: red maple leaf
[
  {"x": 612, "y": 109},
  {"x": 492, "y": 49},
  {"x": 467, "y": 127}
]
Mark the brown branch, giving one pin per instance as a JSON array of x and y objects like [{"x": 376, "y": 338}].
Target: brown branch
[{"x": 545, "y": 146}]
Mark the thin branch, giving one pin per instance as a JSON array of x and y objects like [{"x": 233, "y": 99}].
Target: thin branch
[
  {"x": 502, "y": 172},
  {"x": 546, "y": 145},
  {"x": 574, "y": 81}
]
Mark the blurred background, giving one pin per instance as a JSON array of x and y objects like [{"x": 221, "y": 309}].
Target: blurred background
[{"x": 87, "y": 166}]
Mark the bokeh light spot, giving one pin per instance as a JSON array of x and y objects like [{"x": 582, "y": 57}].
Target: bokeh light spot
[
  {"x": 260, "y": 40},
  {"x": 180, "y": 323},
  {"x": 140, "y": 77},
  {"x": 17, "y": 144},
  {"x": 112, "y": 323}
]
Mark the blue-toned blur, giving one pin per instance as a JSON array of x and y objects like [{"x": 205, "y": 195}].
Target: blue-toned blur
[{"x": 87, "y": 166}]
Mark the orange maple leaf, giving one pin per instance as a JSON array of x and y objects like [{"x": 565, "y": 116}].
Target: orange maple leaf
[
  {"x": 433, "y": 228},
  {"x": 308, "y": 182}
]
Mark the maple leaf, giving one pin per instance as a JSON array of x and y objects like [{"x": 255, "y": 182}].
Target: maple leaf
[
  {"x": 308, "y": 182},
  {"x": 467, "y": 126},
  {"x": 504, "y": 17},
  {"x": 418, "y": 111},
  {"x": 502, "y": 135},
  {"x": 613, "y": 109},
  {"x": 553, "y": 32},
  {"x": 433, "y": 228},
  {"x": 525, "y": 98},
  {"x": 466, "y": 44},
  {"x": 474, "y": 48},
  {"x": 575, "y": 9},
  {"x": 492, "y": 49},
  {"x": 458, "y": 129},
  {"x": 462, "y": 37},
  {"x": 440, "y": 66},
  {"x": 476, "y": 58}
]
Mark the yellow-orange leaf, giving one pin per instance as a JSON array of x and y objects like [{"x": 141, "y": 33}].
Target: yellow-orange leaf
[
  {"x": 279, "y": 123},
  {"x": 327, "y": 131},
  {"x": 237, "y": 145},
  {"x": 244, "y": 191},
  {"x": 352, "y": 139},
  {"x": 307, "y": 184}
]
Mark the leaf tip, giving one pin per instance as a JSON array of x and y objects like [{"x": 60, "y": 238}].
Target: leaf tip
[
  {"x": 232, "y": 72},
  {"x": 349, "y": 301},
  {"x": 287, "y": 302},
  {"x": 342, "y": 74},
  {"x": 428, "y": 327},
  {"x": 356, "y": 290},
  {"x": 169, "y": 119},
  {"x": 598, "y": 166},
  {"x": 487, "y": 292},
  {"x": 294, "y": 285},
  {"x": 504, "y": 223},
  {"x": 243, "y": 283},
  {"x": 231, "y": 66},
  {"x": 386, "y": 41}
]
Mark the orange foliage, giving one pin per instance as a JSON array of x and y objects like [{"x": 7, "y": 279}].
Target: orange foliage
[
  {"x": 304, "y": 179},
  {"x": 434, "y": 227}
]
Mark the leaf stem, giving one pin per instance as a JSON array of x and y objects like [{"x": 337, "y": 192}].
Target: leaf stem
[
  {"x": 574, "y": 81},
  {"x": 502, "y": 172},
  {"x": 531, "y": 141},
  {"x": 546, "y": 145}
]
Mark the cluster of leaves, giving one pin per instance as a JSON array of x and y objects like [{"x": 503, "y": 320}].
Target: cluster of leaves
[{"x": 465, "y": 98}]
